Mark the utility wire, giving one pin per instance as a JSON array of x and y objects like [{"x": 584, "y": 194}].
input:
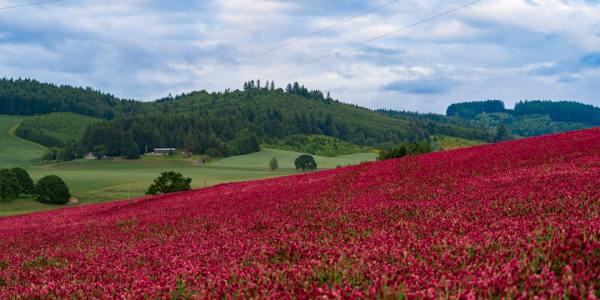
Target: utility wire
[
  {"x": 308, "y": 35},
  {"x": 364, "y": 43},
  {"x": 29, "y": 4}
]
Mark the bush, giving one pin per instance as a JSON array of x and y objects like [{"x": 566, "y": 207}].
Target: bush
[
  {"x": 305, "y": 162},
  {"x": 24, "y": 179},
  {"x": 52, "y": 190},
  {"x": 169, "y": 182},
  {"x": 9, "y": 185},
  {"x": 405, "y": 149}
]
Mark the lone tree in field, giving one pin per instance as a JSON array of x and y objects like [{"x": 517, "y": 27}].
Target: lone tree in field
[
  {"x": 25, "y": 181},
  {"x": 9, "y": 185},
  {"x": 52, "y": 190},
  {"x": 169, "y": 182},
  {"x": 305, "y": 162},
  {"x": 273, "y": 164}
]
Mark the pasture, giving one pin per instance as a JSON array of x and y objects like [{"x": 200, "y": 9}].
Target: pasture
[{"x": 93, "y": 181}]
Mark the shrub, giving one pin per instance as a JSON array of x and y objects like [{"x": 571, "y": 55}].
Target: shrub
[
  {"x": 52, "y": 190},
  {"x": 24, "y": 179},
  {"x": 405, "y": 149},
  {"x": 305, "y": 162},
  {"x": 9, "y": 185},
  {"x": 273, "y": 164},
  {"x": 169, "y": 182}
]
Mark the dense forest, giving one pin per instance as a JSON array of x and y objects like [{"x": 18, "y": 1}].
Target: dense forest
[
  {"x": 218, "y": 123},
  {"x": 30, "y": 97},
  {"x": 528, "y": 118},
  {"x": 468, "y": 110},
  {"x": 238, "y": 122}
]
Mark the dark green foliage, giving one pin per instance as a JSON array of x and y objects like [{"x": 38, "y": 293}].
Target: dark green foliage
[
  {"x": 273, "y": 164},
  {"x": 406, "y": 149},
  {"x": 52, "y": 190},
  {"x": 436, "y": 124},
  {"x": 502, "y": 133},
  {"x": 99, "y": 151},
  {"x": 317, "y": 144},
  {"x": 305, "y": 162},
  {"x": 561, "y": 111},
  {"x": 56, "y": 129},
  {"x": 30, "y": 97},
  {"x": 25, "y": 181},
  {"x": 469, "y": 110},
  {"x": 169, "y": 182},
  {"x": 130, "y": 149},
  {"x": 9, "y": 185}
]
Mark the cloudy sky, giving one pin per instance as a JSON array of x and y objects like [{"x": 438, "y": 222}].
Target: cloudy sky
[{"x": 146, "y": 49}]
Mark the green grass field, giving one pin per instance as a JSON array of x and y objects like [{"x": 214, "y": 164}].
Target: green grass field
[
  {"x": 97, "y": 181},
  {"x": 445, "y": 143}
]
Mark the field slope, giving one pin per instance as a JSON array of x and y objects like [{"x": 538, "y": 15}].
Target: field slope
[
  {"x": 512, "y": 220},
  {"x": 13, "y": 150}
]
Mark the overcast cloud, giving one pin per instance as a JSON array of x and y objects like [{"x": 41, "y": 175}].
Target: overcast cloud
[{"x": 146, "y": 49}]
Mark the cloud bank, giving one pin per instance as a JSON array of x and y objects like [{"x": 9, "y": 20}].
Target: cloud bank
[{"x": 146, "y": 49}]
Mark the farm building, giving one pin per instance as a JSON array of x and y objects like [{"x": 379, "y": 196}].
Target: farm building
[{"x": 163, "y": 151}]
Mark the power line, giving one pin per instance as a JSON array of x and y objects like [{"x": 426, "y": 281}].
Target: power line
[
  {"x": 364, "y": 43},
  {"x": 308, "y": 35},
  {"x": 29, "y": 4}
]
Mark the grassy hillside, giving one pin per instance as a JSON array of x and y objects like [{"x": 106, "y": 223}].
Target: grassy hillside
[
  {"x": 318, "y": 145},
  {"x": 98, "y": 181},
  {"x": 286, "y": 159},
  {"x": 444, "y": 143},
  {"x": 56, "y": 129},
  {"x": 15, "y": 151}
]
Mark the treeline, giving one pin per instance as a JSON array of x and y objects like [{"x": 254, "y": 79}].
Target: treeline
[
  {"x": 218, "y": 124},
  {"x": 562, "y": 111},
  {"x": 31, "y": 97},
  {"x": 558, "y": 111},
  {"x": 469, "y": 110},
  {"x": 437, "y": 124}
]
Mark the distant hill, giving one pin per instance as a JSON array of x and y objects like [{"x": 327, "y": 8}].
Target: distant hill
[
  {"x": 528, "y": 118},
  {"x": 220, "y": 123}
]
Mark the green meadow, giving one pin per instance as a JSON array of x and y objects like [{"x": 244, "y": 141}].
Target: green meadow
[{"x": 93, "y": 181}]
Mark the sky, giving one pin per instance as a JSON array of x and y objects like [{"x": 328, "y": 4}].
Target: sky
[{"x": 146, "y": 49}]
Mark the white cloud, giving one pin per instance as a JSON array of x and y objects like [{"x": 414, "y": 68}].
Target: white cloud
[{"x": 145, "y": 49}]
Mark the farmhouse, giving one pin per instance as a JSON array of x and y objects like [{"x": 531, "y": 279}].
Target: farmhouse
[{"x": 162, "y": 151}]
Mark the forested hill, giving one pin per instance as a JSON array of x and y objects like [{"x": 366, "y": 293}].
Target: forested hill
[
  {"x": 528, "y": 118},
  {"x": 218, "y": 123},
  {"x": 31, "y": 97}
]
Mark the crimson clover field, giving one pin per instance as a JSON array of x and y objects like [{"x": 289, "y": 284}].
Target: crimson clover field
[{"x": 517, "y": 220}]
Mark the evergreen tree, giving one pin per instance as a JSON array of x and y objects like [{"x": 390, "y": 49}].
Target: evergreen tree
[
  {"x": 502, "y": 133},
  {"x": 273, "y": 164},
  {"x": 9, "y": 185}
]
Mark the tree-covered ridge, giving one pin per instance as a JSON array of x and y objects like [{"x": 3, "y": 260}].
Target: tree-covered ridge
[
  {"x": 235, "y": 122},
  {"x": 528, "y": 118},
  {"x": 560, "y": 111},
  {"x": 437, "y": 124},
  {"x": 320, "y": 145},
  {"x": 469, "y": 110},
  {"x": 55, "y": 129},
  {"x": 31, "y": 97}
]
